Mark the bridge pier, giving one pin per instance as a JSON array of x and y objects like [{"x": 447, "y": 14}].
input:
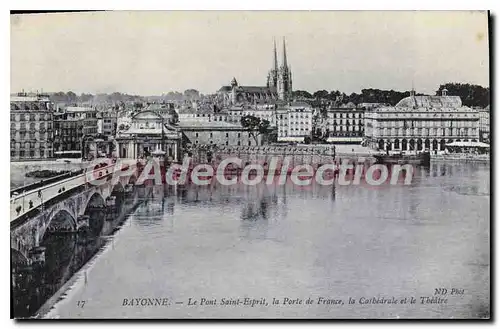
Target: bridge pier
[
  {"x": 37, "y": 255},
  {"x": 82, "y": 222},
  {"x": 57, "y": 212}
]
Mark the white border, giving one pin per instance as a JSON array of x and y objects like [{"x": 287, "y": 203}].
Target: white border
[{"x": 207, "y": 5}]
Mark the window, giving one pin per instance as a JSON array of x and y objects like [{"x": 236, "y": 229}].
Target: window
[{"x": 227, "y": 135}]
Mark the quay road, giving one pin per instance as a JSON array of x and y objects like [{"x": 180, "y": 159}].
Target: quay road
[{"x": 24, "y": 202}]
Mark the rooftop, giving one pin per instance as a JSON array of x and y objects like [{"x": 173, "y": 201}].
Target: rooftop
[
  {"x": 344, "y": 109},
  {"x": 29, "y": 99},
  {"x": 148, "y": 131},
  {"x": 420, "y": 109},
  {"x": 249, "y": 89},
  {"x": 300, "y": 104},
  {"x": 208, "y": 125},
  {"x": 430, "y": 102},
  {"x": 80, "y": 109}
]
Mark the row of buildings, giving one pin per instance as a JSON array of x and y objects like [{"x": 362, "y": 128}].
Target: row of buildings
[{"x": 41, "y": 130}]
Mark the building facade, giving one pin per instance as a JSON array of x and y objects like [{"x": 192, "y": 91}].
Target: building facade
[
  {"x": 345, "y": 125},
  {"x": 217, "y": 133},
  {"x": 149, "y": 132},
  {"x": 484, "y": 124},
  {"x": 31, "y": 127},
  {"x": 417, "y": 123},
  {"x": 107, "y": 122},
  {"x": 72, "y": 126},
  {"x": 294, "y": 122}
]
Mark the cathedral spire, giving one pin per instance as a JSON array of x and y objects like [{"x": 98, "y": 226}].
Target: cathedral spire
[
  {"x": 275, "y": 63},
  {"x": 285, "y": 64}
]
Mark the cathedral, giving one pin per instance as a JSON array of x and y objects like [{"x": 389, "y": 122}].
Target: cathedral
[
  {"x": 278, "y": 86},
  {"x": 280, "y": 79}
]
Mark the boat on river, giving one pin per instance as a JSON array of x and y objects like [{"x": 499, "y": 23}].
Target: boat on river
[{"x": 419, "y": 159}]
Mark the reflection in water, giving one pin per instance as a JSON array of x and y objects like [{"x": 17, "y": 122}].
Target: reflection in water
[
  {"x": 66, "y": 252},
  {"x": 271, "y": 240}
]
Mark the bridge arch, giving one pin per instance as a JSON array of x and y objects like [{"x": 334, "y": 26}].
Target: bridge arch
[
  {"x": 95, "y": 209},
  {"x": 117, "y": 188},
  {"x": 61, "y": 221},
  {"x": 95, "y": 200},
  {"x": 133, "y": 179}
]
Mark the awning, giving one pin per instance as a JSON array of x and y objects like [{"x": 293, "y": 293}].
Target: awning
[
  {"x": 469, "y": 144},
  {"x": 158, "y": 152},
  {"x": 345, "y": 139},
  {"x": 290, "y": 139}
]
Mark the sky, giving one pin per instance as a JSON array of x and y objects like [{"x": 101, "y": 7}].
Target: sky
[{"x": 154, "y": 52}]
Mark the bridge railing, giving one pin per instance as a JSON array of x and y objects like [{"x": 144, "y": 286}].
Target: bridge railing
[
  {"x": 22, "y": 203},
  {"x": 44, "y": 182}
]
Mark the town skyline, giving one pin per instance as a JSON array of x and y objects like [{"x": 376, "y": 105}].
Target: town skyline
[{"x": 446, "y": 47}]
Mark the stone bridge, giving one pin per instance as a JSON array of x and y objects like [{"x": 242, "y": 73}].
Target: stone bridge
[{"x": 65, "y": 208}]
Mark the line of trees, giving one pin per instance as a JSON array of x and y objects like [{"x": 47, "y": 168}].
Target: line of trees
[
  {"x": 70, "y": 97},
  {"x": 471, "y": 95}
]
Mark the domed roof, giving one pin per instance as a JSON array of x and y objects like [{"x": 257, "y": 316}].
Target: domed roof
[{"x": 430, "y": 102}]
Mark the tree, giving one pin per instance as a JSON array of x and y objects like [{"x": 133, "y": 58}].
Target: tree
[
  {"x": 255, "y": 126},
  {"x": 191, "y": 94},
  {"x": 471, "y": 95},
  {"x": 86, "y": 97},
  {"x": 321, "y": 94},
  {"x": 71, "y": 97},
  {"x": 301, "y": 94}
]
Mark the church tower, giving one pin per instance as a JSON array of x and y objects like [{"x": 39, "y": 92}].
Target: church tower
[
  {"x": 284, "y": 77},
  {"x": 272, "y": 77}
]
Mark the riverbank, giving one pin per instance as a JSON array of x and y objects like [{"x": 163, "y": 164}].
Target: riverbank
[
  {"x": 485, "y": 158},
  {"x": 80, "y": 277},
  {"x": 19, "y": 169}
]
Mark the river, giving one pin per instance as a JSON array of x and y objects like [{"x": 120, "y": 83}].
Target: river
[{"x": 295, "y": 243}]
